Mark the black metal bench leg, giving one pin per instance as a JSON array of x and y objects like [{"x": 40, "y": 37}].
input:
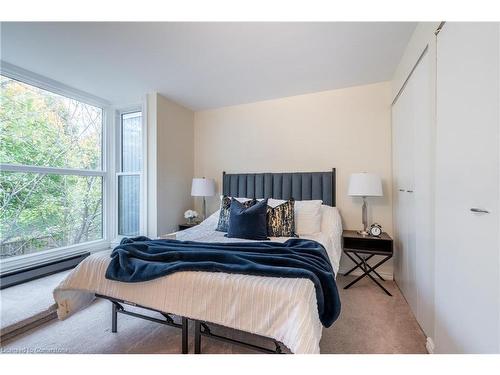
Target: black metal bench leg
[
  {"x": 184, "y": 335},
  {"x": 197, "y": 337},
  {"x": 114, "y": 318}
]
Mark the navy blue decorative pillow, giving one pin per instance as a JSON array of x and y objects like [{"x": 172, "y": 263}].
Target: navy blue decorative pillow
[
  {"x": 225, "y": 204},
  {"x": 248, "y": 222}
]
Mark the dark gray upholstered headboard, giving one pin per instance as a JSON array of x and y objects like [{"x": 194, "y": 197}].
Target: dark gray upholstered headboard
[{"x": 297, "y": 185}]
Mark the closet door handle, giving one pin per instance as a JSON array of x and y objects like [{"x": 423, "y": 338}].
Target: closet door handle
[
  {"x": 409, "y": 191},
  {"x": 480, "y": 210},
  {"x": 402, "y": 190}
]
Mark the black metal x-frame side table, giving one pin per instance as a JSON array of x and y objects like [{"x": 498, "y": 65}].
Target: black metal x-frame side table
[{"x": 360, "y": 249}]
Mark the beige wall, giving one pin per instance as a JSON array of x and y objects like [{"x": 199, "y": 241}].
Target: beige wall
[
  {"x": 348, "y": 129},
  {"x": 170, "y": 163}
]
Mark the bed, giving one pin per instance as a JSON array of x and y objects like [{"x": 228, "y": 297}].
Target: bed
[{"x": 282, "y": 309}]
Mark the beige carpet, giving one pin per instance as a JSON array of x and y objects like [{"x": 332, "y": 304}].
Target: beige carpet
[{"x": 370, "y": 322}]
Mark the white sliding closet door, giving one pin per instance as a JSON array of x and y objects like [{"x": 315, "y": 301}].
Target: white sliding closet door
[
  {"x": 467, "y": 177},
  {"x": 422, "y": 226},
  {"x": 412, "y": 191},
  {"x": 403, "y": 133}
]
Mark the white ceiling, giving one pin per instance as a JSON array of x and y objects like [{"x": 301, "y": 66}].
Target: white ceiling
[{"x": 206, "y": 65}]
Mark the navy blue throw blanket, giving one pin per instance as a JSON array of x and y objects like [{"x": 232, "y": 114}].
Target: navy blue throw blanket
[{"x": 141, "y": 259}]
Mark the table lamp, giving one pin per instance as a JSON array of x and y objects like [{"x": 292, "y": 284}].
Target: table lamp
[
  {"x": 365, "y": 185},
  {"x": 203, "y": 187}
]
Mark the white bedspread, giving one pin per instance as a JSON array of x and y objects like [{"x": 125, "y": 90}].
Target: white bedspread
[{"x": 281, "y": 308}]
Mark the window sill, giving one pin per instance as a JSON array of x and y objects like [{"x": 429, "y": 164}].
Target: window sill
[
  {"x": 22, "y": 276},
  {"x": 28, "y": 261}
]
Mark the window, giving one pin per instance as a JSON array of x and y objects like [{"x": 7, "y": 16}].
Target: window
[
  {"x": 129, "y": 177},
  {"x": 52, "y": 175}
]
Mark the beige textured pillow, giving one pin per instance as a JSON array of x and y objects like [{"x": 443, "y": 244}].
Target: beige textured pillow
[{"x": 308, "y": 217}]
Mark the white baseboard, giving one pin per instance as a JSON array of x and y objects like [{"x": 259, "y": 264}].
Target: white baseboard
[
  {"x": 385, "y": 275},
  {"x": 429, "y": 345}
]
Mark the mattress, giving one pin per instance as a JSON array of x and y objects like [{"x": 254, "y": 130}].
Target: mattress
[{"x": 284, "y": 309}]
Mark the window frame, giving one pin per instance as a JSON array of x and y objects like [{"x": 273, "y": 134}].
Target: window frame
[
  {"x": 35, "y": 259},
  {"x": 119, "y": 112}
]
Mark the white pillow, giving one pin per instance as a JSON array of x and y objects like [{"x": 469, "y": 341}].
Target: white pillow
[
  {"x": 307, "y": 217},
  {"x": 331, "y": 222},
  {"x": 271, "y": 202},
  {"x": 241, "y": 200}
]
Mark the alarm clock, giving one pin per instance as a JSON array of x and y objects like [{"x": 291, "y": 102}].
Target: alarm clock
[{"x": 375, "y": 230}]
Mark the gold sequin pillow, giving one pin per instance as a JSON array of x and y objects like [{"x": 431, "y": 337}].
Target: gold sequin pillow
[
  {"x": 281, "y": 220},
  {"x": 225, "y": 204}
]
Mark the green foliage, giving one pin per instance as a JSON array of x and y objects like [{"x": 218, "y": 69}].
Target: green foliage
[{"x": 43, "y": 129}]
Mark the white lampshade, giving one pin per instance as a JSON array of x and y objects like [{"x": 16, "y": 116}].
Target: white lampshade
[
  {"x": 365, "y": 185},
  {"x": 203, "y": 187}
]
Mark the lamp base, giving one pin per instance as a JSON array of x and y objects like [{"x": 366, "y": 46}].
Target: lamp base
[{"x": 364, "y": 216}]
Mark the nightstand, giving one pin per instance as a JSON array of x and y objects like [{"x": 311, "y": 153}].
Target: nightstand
[
  {"x": 187, "y": 226},
  {"x": 360, "y": 249}
]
